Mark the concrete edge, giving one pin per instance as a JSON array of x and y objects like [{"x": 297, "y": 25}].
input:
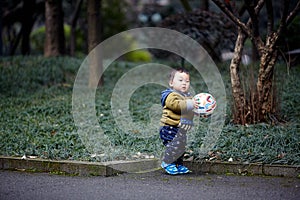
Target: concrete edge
[
  {"x": 244, "y": 169},
  {"x": 139, "y": 166},
  {"x": 80, "y": 168}
]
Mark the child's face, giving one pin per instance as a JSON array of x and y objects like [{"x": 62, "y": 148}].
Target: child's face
[{"x": 180, "y": 82}]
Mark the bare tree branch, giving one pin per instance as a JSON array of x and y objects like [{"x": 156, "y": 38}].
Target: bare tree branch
[
  {"x": 244, "y": 27},
  {"x": 286, "y": 17},
  {"x": 270, "y": 25},
  {"x": 257, "y": 41},
  {"x": 285, "y": 13},
  {"x": 73, "y": 22},
  {"x": 262, "y": 96},
  {"x": 259, "y": 6},
  {"x": 253, "y": 16},
  {"x": 293, "y": 14},
  {"x": 235, "y": 19}
]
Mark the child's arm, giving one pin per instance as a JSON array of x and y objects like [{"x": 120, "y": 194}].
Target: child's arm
[
  {"x": 177, "y": 104},
  {"x": 183, "y": 108}
]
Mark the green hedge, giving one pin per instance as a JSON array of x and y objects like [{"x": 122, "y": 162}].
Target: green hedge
[{"x": 36, "y": 117}]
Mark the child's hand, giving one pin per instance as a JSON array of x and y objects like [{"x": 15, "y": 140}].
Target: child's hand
[
  {"x": 196, "y": 114},
  {"x": 185, "y": 127},
  {"x": 196, "y": 104},
  {"x": 204, "y": 116}
]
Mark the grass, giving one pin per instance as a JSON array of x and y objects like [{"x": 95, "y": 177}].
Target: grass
[{"x": 36, "y": 117}]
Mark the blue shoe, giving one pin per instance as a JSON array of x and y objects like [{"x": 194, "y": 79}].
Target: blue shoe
[
  {"x": 182, "y": 169},
  {"x": 170, "y": 168}
]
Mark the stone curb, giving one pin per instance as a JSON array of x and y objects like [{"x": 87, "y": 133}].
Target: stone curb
[
  {"x": 244, "y": 169},
  {"x": 77, "y": 167},
  {"x": 139, "y": 166}
]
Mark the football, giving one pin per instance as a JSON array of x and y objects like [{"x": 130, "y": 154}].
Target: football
[{"x": 207, "y": 104}]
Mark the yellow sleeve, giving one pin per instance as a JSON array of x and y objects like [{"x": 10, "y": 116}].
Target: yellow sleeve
[{"x": 176, "y": 102}]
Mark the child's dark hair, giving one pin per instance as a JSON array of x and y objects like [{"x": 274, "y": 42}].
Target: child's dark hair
[{"x": 180, "y": 70}]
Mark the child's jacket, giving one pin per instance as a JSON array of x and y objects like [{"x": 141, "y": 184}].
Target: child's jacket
[{"x": 177, "y": 108}]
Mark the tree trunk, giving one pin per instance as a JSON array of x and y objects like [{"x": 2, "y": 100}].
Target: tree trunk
[
  {"x": 252, "y": 105},
  {"x": 259, "y": 105},
  {"x": 1, "y": 25},
  {"x": 237, "y": 90},
  {"x": 264, "y": 84},
  {"x": 94, "y": 38},
  {"x": 55, "y": 39},
  {"x": 27, "y": 23},
  {"x": 73, "y": 27},
  {"x": 14, "y": 44}
]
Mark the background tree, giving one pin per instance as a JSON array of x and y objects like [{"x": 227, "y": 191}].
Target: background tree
[
  {"x": 94, "y": 38},
  {"x": 259, "y": 105},
  {"x": 212, "y": 30},
  {"x": 55, "y": 38},
  {"x": 73, "y": 23},
  {"x": 1, "y": 16},
  {"x": 14, "y": 14},
  {"x": 28, "y": 20}
]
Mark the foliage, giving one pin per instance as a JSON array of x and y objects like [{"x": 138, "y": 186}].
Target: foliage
[
  {"x": 35, "y": 108},
  {"x": 291, "y": 41},
  {"x": 134, "y": 54},
  {"x": 114, "y": 17},
  {"x": 138, "y": 56},
  {"x": 36, "y": 118},
  {"x": 261, "y": 143},
  {"x": 290, "y": 37},
  {"x": 37, "y": 38},
  {"x": 213, "y": 31}
]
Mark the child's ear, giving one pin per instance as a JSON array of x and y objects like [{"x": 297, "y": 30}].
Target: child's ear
[{"x": 171, "y": 83}]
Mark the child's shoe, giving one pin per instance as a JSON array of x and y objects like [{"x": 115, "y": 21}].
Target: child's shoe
[
  {"x": 170, "y": 168},
  {"x": 182, "y": 169}
]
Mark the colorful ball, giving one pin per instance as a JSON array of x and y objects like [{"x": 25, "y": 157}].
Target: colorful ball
[{"x": 207, "y": 104}]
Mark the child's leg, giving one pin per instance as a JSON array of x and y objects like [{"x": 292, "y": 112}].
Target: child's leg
[
  {"x": 181, "y": 169},
  {"x": 175, "y": 148},
  {"x": 175, "y": 142},
  {"x": 179, "y": 161}
]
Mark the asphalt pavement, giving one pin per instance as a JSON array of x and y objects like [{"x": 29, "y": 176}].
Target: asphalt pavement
[{"x": 143, "y": 186}]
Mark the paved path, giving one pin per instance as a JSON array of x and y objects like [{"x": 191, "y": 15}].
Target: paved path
[{"x": 153, "y": 185}]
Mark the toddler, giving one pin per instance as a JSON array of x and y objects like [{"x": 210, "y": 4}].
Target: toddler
[{"x": 176, "y": 120}]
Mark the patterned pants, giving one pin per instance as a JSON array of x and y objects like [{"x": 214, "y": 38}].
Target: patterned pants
[{"x": 174, "y": 140}]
